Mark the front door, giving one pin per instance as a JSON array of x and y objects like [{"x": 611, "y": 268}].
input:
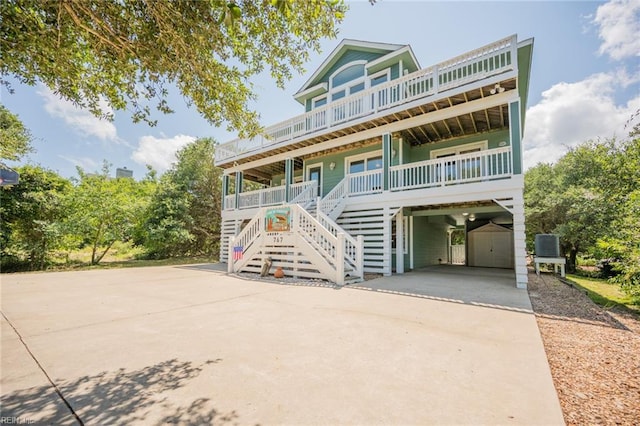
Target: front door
[{"x": 315, "y": 173}]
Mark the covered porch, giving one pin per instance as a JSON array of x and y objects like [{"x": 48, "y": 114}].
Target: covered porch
[{"x": 481, "y": 166}]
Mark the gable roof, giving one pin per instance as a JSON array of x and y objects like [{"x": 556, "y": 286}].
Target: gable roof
[
  {"x": 491, "y": 227},
  {"x": 386, "y": 50}
]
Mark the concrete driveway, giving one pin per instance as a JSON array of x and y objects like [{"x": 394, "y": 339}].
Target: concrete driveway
[{"x": 192, "y": 345}]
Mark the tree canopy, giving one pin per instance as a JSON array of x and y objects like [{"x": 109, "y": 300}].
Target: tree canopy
[
  {"x": 183, "y": 217},
  {"x": 128, "y": 53},
  {"x": 16, "y": 139},
  {"x": 591, "y": 199}
]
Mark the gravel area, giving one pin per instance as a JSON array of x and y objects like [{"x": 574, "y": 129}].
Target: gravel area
[{"x": 594, "y": 354}]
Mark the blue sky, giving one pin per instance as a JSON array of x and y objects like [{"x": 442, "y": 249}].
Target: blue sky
[{"x": 585, "y": 81}]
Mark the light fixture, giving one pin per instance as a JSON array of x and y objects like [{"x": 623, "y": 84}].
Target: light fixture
[
  {"x": 472, "y": 217},
  {"x": 332, "y": 165},
  {"x": 465, "y": 214},
  {"x": 394, "y": 153},
  {"x": 496, "y": 89}
]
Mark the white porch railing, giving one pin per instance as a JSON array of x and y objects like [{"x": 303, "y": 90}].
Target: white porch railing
[
  {"x": 486, "y": 61},
  {"x": 229, "y": 202},
  {"x": 334, "y": 255},
  {"x": 353, "y": 247},
  {"x": 271, "y": 196},
  {"x": 333, "y": 202},
  {"x": 303, "y": 193},
  {"x": 475, "y": 166},
  {"x": 365, "y": 183},
  {"x": 262, "y": 197}
]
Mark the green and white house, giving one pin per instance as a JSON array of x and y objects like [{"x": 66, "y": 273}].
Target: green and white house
[{"x": 391, "y": 167}]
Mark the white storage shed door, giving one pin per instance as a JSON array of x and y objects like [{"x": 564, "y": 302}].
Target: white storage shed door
[{"x": 491, "y": 246}]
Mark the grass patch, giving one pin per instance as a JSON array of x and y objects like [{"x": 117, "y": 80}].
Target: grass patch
[
  {"x": 603, "y": 293},
  {"x": 133, "y": 263}
]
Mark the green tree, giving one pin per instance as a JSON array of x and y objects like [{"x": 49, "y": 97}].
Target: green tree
[
  {"x": 16, "y": 139},
  {"x": 588, "y": 198},
  {"x": 103, "y": 210},
  {"x": 31, "y": 215},
  {"x": 183, "y": 217},
  {"x": 543, "y": 208},
  {"x": 128, "y": 52}
]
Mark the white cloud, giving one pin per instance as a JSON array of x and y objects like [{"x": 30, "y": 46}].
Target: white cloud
[
  {"x": 82, "y": 121},
  {"x": 571, "y": 113},
  {"x": 619, "y": 28},
  {"x": 160, "y": 153}
]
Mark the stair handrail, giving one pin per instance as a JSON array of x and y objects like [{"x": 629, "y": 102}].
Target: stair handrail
[
  {"x": 335, "y": 249},
  {"x": 246, "y": 238},
  {"x": 353, "y": 247},
  {"x": 307, "y": 195},
  {"x": 334, "y": 198},
  {"x": 313, "y": 231}
]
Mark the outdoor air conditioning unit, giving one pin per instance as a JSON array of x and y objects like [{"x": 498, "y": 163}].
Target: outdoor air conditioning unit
[{"x": 547, "y": 245}]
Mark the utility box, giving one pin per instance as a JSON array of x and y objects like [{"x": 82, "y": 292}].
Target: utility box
[{"x": 547, "y": 245}]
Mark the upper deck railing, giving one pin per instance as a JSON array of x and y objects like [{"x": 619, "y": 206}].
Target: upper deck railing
[
  {"x": 473, "y": 167},
  {"x": 492, "y": 59}
]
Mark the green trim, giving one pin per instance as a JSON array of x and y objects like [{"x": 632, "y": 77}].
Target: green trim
[
  {"x": 225, "y": 187},
  {"x": 386, "y": 159},
  {"x": 238, "y": 187},
  {"x": 288, "y": 174},
  {"x": 516, "y": 135},
  {"x": 525, "y": 57}
]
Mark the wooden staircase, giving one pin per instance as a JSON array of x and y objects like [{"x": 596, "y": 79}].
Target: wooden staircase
[{"x": 302, "y": 245}]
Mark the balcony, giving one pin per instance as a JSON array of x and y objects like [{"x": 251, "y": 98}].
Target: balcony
[
  {"x": 301, "y": 193},
  {"x": 425, "y": 84},
  {"x": 461, "y": 169}
]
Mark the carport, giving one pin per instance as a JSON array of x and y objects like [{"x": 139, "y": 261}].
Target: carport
[{"x": 456, "y": 283}]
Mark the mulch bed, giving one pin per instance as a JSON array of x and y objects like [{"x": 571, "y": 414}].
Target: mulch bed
[{"x": 594, "y": 354}]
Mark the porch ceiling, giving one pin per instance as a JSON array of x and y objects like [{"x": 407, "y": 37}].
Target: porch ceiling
[
  {"x": 480, "y": 121},
  {"x": 482, "y": 211}
]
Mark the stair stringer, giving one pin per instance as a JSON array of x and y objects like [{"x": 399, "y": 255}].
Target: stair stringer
[{"x": 300, "y": 259}]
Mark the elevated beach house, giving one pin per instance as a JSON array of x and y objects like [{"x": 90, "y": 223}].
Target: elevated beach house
[{"x": 391, "y": 167}]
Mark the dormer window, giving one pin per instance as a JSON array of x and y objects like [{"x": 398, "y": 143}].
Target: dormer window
[
  {"x": 347, "y": 80},
  {"x": 348, "y": 75}
]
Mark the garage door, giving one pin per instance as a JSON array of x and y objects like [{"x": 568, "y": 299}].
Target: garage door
[{"x": 491, "y": 246}]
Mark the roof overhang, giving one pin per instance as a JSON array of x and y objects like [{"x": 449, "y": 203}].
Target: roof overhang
[
  {"x": 405, "y": 54},
  {"x": 344, "y": 45},
  {"x": 311, "y": 92}
]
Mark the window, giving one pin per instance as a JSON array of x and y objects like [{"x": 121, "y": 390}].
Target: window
[
  {"x": 320, "y": 101},
  {"x": 379, "y": 79},
  {"x": 459, "y": 149},
  {"x": 338, "y": 95},
  {"x": 455, "y": 169},
  {"x": 356, "y": 166},
  {"x": 364, "y": 162},
  {"x": 346, "y": 81},
  {"x": 347, "y": 75},
  {"x": 360, "y": 171}
]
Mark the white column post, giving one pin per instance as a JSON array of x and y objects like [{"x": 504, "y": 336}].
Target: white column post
[
  {"x": 519, "y": 244},
  {"x": 340, "y": 259},
  {"x": 230, "y": 255},
  {"x": 360, "y": 255},
  {"x": 400, "y": 243}
]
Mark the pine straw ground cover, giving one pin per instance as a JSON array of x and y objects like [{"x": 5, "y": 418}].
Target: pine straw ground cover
[{"x": 594, "y": 354}]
